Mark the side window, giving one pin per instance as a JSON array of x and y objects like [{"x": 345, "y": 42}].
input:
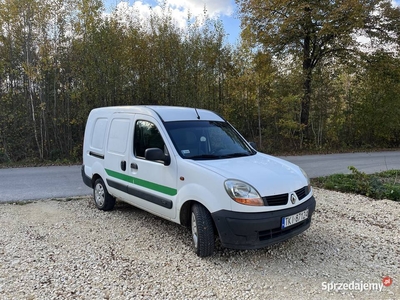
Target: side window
[{"x": 146, "y": 136}]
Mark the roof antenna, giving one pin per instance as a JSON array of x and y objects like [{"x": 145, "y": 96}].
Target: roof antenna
[{"x": 198, "y": 116}]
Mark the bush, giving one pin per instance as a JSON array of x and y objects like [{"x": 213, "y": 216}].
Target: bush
[{"x": 376, "y": 186}]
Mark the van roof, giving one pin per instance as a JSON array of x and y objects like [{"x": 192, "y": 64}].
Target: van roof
[
  {"x": 178, "y": 113},
  {"x": 166, "y": 113}
]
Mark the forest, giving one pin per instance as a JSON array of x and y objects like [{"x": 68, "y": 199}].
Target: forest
[{"x": 306, "y": 75}]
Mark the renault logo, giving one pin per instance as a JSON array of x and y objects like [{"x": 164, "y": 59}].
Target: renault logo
[{"x": 292, "y": 198}]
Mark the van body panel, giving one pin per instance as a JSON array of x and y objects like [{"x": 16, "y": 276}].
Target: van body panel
[
  {"x": 148, "y": 185},
  {"x": 196, "y": 183}
]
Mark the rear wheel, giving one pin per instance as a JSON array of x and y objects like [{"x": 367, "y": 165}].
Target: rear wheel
[
  {"x": 102, "y": 198},
  {"x": 202, "y": 230}
]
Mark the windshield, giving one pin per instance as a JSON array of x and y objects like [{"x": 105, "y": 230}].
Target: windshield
[{"x": 207, "y": 140}]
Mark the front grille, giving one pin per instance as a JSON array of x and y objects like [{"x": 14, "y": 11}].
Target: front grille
[
  {"x": 281, "y": 199},
  {"x": 301, "y": 193}
]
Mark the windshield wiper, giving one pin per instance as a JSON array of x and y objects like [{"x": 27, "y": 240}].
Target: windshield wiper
[
  {"x": 204, "y": 156},
  {"x": 237, "y": 154},
  {"x": 213, "y": 156}
]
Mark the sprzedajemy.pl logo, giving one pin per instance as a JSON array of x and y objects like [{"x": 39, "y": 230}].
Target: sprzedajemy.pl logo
[{"x": 357, "y": 286}]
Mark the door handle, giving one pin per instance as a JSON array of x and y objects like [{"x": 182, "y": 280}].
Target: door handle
[
  {"x": 123, "y": 165},
  {"x": 134, "y": 166}
]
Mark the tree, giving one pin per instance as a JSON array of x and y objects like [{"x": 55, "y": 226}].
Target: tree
[
  {"x": 315, "y": 29},
  {"x": 377, "y": 112}
]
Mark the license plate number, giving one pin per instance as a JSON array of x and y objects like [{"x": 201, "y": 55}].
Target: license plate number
[{"x": 294, "y": 219}]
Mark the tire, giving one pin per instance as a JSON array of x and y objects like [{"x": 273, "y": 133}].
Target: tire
[
  {"x": 102, "y": 199},
  {"x": 202, "y": 230}
]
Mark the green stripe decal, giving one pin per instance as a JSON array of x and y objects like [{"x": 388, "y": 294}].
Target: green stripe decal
[{"x": 143, "y": 183}]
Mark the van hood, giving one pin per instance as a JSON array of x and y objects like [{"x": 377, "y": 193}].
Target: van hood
[{"x": 267, "y": 174}]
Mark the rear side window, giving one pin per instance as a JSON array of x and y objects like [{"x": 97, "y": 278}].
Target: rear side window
[{"x": 146, "y": 136}]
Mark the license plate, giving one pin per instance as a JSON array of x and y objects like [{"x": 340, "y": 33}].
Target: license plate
[{"x": 293, "y": 219}]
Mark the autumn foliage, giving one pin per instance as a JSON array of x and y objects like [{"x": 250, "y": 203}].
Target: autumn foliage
[{"x": 59, "y": 59}]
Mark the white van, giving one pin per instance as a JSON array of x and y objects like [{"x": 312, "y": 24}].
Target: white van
[{"x": 192, "y": 167}]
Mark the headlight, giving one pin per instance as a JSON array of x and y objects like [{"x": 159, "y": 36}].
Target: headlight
[{"x": 243, "y": 193}]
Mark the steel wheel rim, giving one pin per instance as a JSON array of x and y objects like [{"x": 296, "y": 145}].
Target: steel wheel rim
[
  {"x": 99, "y": 195},
  {"x": 195, "y": 234}
]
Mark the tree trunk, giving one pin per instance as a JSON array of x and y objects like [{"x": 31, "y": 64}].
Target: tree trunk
[
  {"x": 307, "y": 77},
  {"x": 305, "y": 102},
  {"x": 307, "y": 74}
]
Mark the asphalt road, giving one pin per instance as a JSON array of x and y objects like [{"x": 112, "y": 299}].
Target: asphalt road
[
  {"x": 328, "y": 164},
  {"x": 21, "y": 184}
]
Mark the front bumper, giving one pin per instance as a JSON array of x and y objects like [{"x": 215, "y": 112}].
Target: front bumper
[{"x": 239, "y": 230}]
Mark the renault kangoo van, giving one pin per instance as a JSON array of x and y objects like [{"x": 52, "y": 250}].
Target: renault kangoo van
[{"x": 192, "y": 167}]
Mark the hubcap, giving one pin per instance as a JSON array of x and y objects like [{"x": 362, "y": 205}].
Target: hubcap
[
  {"x": 194, "y": 231},
  {"x": 99, "y": 195}
]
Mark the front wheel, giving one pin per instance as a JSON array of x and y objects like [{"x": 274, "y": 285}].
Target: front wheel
[
  {"x": 102, "y": 198},
  {"x": 202, "y": 230}
]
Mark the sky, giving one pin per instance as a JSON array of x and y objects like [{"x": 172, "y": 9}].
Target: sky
[{"x": 225, "y": 10}]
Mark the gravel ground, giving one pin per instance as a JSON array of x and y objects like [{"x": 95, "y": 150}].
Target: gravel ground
[{"x": 55, "y": 249}]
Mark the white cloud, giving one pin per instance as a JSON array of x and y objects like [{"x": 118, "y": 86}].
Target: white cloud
[
  {"x": 137, "y": 12},
  {"x": 140, "y": 11},
  {"x": 214, "y": 7}
]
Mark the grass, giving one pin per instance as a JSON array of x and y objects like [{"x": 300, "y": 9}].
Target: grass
[
  {"x": 38, "y": 163},
  {"x": 383, "y": 185}
]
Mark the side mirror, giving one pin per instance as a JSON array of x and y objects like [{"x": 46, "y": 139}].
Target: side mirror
[
  {"x": 156, "y": 154},
  {"x": 252, "y": 144}
]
